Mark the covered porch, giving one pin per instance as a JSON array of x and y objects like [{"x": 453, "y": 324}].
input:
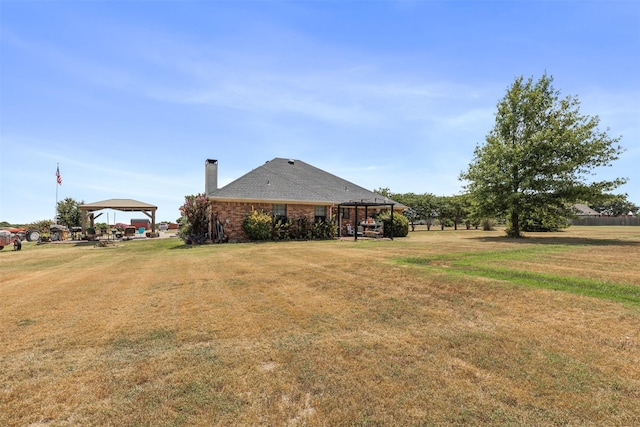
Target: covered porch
[{"x": 358, "y": 205}]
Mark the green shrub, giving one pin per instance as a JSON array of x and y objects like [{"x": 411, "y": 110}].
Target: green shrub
[
  {"x": 258, "y": 225},
  {"x": 324, "y": 230},
  {"x": 300, "y": 228},
  {"x": 280, "y": 230},
  {"x": 487, "y": 224},
  {"x": 261, "y": 225},
  {"x": 399, "y": 228}
]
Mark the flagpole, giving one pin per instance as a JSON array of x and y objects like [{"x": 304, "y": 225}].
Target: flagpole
[{"x": 55, "y": 216}]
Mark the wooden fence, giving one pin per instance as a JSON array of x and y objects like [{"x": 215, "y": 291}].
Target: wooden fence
[{"x": 606, "y": 220}]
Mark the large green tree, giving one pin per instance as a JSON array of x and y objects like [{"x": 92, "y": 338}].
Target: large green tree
[
  {"x": 69, "y": 212},
  {"x": 539, "y": 156}
]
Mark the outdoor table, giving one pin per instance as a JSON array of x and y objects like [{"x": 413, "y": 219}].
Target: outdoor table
[{"x": 372, "y": 229}]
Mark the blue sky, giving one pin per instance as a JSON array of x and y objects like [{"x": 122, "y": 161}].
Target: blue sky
[{"x": 131, "y": 97}]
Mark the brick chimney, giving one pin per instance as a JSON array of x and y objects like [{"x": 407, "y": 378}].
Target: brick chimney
[{"x": 210, "y": 176}]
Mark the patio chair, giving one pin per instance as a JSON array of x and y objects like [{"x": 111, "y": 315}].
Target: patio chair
[{"x": 349, "y": 230}]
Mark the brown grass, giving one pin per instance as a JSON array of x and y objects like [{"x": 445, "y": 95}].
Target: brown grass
[{"x": 318, "y": 333}]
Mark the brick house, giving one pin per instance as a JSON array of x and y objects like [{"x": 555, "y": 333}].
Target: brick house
[{"x": 290, "y": 188}]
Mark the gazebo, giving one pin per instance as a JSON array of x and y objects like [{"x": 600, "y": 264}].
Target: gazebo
[
  {"x": 366, "y": 204},
  {"x": 124, "y": 205}
]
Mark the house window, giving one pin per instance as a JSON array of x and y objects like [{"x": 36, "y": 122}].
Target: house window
[
  {"x": 345, "y": 212},
  {"x": 320, "y": 213},
  {"x": 279, "y": 212}
]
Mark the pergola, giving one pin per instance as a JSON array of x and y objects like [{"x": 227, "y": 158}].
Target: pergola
[
  {"x": 124, "y": 205},
  {"x": 366, "y": 204}
]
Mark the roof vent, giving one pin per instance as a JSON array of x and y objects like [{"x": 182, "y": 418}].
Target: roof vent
[{"x": 290, "y": 161}]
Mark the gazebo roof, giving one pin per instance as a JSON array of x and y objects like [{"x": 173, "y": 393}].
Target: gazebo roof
[{"x": 126, "y": 205}]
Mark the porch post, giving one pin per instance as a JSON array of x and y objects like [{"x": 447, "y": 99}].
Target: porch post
[{"x": 355, "y": 220}]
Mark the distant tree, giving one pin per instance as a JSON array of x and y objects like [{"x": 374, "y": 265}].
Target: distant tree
[
  {"x": 412, "y": 217},
  {"x": 614, "y": 205},
  {"x": 443, "y": 211},
  {"x": 385, "y": 192},
  {"x": 538, "y": 156},
  {"x": 424, "y": 207},
  {"x": 474, "y": 216},
  {"x": 411, "y": 201},
  {"x": 460, "y": 208},
  {"x": 69, "y": 214},
  {"x": 429, "y": 208}
]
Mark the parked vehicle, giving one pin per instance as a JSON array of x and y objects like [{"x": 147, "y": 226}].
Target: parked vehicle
[
  {"x": 7, "y": 238},
  {"x": 59, "y": 232},
  {"x": 18, "y": 231}
]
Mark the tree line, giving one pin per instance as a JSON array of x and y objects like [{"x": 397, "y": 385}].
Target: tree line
[{"x": 461, "y": 211}]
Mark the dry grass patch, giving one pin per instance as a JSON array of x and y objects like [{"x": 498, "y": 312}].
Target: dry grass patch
[{"x": 321, "y": 333}]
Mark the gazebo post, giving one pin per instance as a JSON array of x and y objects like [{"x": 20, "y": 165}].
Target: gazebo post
[
  {"x": 83, "y": 218},
  {"x": 355, "y": 220}
]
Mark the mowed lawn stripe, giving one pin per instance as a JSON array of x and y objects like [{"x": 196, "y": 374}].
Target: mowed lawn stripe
[{"x": 483, "y": 265}]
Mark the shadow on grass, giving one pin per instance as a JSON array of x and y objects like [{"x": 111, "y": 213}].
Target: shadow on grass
[
  {"x": 559, "y": 240},
  {"x": 183, "y": 246}
]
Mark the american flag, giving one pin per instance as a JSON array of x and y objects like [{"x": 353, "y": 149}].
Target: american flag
[{"x": 58, "y": 176}]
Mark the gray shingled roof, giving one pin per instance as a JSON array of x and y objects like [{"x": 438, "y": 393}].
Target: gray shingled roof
[
  {"x": 294, "y": 181},
  {"x": 584, "y": 210}
]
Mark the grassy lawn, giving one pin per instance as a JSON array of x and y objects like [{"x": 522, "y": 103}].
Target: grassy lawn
[{"x": 440, "y": 328}]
